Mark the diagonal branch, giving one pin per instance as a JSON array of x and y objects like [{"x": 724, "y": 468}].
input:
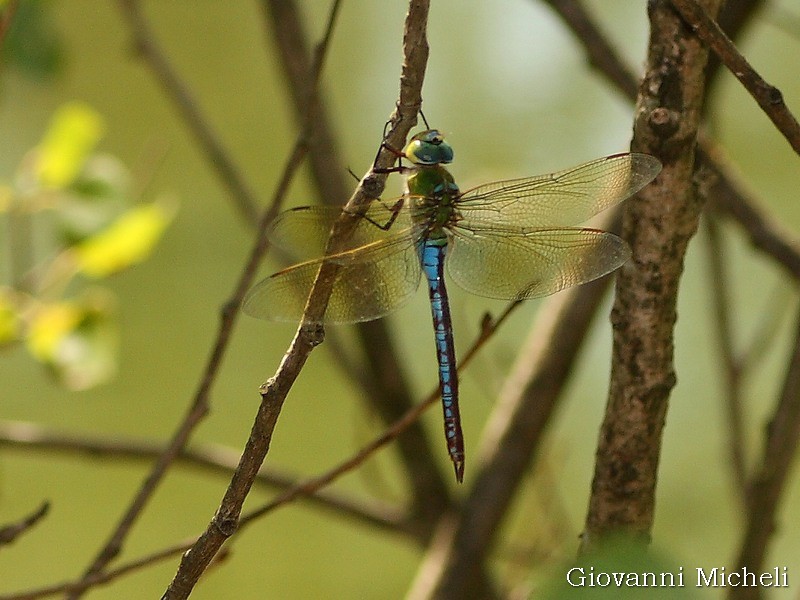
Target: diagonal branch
[
  {"x": 274, "y": 392},
  {"x": 211, "y": 458},
  {"x": 769, "y": 97},
  {"x": 9, "y": 533},
  {"x": 383, "y": 381},
  {"x": 599, "y": 51}
]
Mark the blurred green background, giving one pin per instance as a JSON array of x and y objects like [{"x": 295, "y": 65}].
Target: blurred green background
[{"x": 511, "y": 89}]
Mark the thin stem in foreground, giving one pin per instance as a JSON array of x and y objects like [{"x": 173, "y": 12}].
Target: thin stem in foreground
[{"x": 308, "y": 336}]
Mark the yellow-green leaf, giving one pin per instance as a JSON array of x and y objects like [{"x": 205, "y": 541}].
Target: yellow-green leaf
[
  {"x": 73, "y": 134},
  {"x": 127, "y": 241}
]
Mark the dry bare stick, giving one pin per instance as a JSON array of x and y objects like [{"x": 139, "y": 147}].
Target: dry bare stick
[
  {"x": 225, "y": 521},
  {"x": 9, "y": 533},
  {"x": 298, "y": 490},
  {"x": 768, "y": 485},
  {"x": 658, "y": 227},
  {"x": 732, "y": 374},
  {"x": 211, "y": 458},
  {"x": 383, "y": 381},
  {"x": 769, "y": 97},
  {"x": 200, "y": 403},
  {"x": 243, "y": 196},
  {"x": 733, "y": 17}
]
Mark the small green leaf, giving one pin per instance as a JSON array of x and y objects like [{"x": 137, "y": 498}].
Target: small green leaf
[
  {"x": 73, "y": 134},
  {"x": 127, "y": 241}
]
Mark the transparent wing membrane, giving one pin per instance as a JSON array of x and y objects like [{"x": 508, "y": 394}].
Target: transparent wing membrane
[
  {"x": 371, "y": 281},
  {"x": 559, "y": 199},
  {"x": 304, "y": 232},
  {"x": 539, "y": 263}
]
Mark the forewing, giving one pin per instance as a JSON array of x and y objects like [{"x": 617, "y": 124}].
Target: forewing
[
  {"x": 558, "y": 199},
  {"x": 303, "y": 232},
  {"x": 542, "y": 262},
  {"x": 370, "y": 282}
]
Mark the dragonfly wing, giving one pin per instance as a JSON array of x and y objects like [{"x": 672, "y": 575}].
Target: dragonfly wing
[
  {"x": 370, "y": 282},
  {"x": 558, "y": 199},
  {"x": 303, "y": 232},
  {"x": 539, "y": 263}
]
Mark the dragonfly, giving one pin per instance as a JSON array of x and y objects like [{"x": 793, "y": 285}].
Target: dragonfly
[{"x": 513, "y": 240}]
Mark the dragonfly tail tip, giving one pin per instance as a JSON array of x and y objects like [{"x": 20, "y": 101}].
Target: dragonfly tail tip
[{"x": 459, "y": 468}]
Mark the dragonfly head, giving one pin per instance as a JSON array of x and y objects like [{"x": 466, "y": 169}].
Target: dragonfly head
[{"x": 429, "y": 148}]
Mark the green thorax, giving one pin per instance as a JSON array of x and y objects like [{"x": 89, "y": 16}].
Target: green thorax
[
  {"x": 431, "y": 186},
  {"x": 433, "y": 195}
]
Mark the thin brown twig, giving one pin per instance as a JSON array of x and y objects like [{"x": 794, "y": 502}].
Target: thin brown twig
[
  {"x": 218, "y": 460},
  {"x": 768, "y": 97},
  {"x": 490, "y": 326},
  {"x": 274, "y": 392},
  {"x": 9, "y": 533},
  {"x": 733, "y": 18},
  {"x": 599, "y": 51},
  {"x": 97, "y": 579},
  {"x": 176, "y": 90},
  {"x": 728, "y": 195}
]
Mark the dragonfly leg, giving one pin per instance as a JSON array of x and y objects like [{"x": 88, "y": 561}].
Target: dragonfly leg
[
  {"x": 398, "y": 154},
  {"x": 394, "y": 209}
]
